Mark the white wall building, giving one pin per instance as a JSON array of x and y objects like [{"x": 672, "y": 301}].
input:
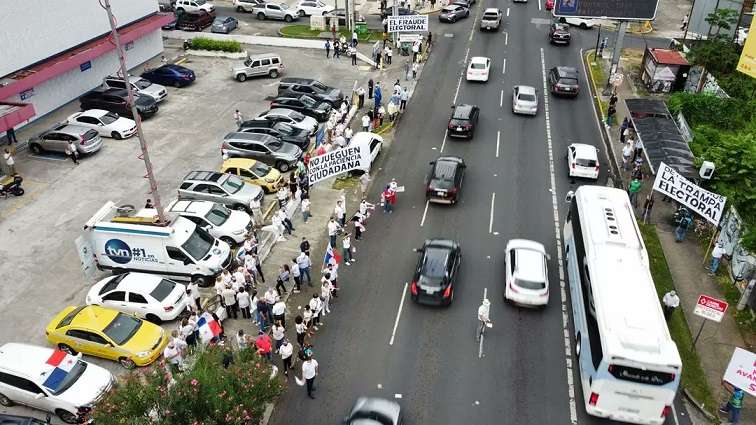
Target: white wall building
[{"x": 55, "y": 51}]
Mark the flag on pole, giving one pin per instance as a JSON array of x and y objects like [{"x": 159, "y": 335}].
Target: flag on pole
[
  {"x": 331, "y": 256},
  {"x": 208, "y": 327}
]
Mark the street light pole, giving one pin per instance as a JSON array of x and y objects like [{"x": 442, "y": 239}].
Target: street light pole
[{"x": 130, "y": 100}]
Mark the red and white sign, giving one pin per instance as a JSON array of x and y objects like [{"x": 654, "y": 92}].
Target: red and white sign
[
  {"x": 710, "y": 308},
  {"x": 741, "y": 372}
]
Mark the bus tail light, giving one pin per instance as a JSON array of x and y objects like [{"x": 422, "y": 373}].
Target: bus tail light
[
  {"x": 666, "y": 411},
  {"x": 594, "y": 399}
]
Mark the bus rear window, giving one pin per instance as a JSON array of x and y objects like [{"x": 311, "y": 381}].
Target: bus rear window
[{"x": 640, "y": 376}]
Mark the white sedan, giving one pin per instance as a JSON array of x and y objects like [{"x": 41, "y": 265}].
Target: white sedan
[
  {"x": 582, "y": 161},
  {"x": 310, "y": 7},
  {"x": 478, "y": 69},
  {"x": 107, "y": 124},
  {"x": 527, "y": 277},
  {"x": 145, "y": 295},
  {"x": 579, "y": 22},
  {"x": 524, "y": 100}
]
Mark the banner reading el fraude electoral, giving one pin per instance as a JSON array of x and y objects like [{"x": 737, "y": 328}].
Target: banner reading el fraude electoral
[
  {"x": 706, "y": 204},
  {"x": 408, "y": 23},
  {"x": 352, "y": 157}
]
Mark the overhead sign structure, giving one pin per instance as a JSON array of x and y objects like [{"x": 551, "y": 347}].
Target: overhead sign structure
[
  {"x": 747, "y": 62},
  {"x": 741, "y": 371},
  {"x": 710, "y": 308},
  {"x": 408, "y": 23},
  {"x": 630, "y": 10},
  {"x": 707, "y": 204},
  {"x": 355, "y": 156}
]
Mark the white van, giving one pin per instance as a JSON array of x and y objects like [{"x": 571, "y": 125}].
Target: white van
[
  {"x": 122, "y": 241},
  {"x": 225, "y": 224},
  {"x": 51, "y": 380}
]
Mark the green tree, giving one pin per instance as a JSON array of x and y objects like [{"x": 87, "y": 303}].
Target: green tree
[
  {"x": 721, "y": 19},
  {"x": 208, "y": 394},
  {"x": 717, "y": 55}
]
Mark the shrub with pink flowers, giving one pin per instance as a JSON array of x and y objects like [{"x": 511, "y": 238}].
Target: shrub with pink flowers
[{"x": 208, "y": 394}]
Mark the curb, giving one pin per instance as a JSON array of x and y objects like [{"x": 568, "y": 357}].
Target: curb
[
  {"x": 699, "y": 406},
  {"x": 216, "y": 54}
]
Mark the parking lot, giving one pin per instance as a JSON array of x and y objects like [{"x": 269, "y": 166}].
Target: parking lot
[{"x": 41, "y": 268}]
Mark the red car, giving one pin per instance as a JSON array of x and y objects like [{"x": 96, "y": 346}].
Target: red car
[{"x": 549, "y": 4}]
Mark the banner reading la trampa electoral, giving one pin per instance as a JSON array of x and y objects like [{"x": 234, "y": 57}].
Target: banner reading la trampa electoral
[
  {"x": 354, "y": 156},
  {"x": 704, "y": 203}
]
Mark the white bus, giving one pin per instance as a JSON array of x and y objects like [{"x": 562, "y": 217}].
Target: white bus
[{"x": 629, "y": 366}]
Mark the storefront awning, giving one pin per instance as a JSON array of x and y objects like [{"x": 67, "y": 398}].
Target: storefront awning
[{"x": 13, "y": 114}]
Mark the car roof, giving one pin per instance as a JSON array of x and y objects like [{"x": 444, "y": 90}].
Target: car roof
[
  {"x": 450, "y": 158},
  {"x": 481, "y": 59},
  {"x": 462, "y": 111},
  {"x": 281, "y": 111},
  {"x": 72, "y": 129},
  {"x": 364, "y": 135},
  {"x": 93, "y": 315},
  {"x": 26, "y": 359},
  {"x": 95, "y": 113},
  {"x": 144, "y": 283},
  {"x": 387, "y": 408},
  {"x": 263, "y": 56},
  {"x": 239, "y": 162},
  {"x": 567, "y": 71},
  {"x": 583, "y": 150},
  {"x": 250, "y": 137},
  {"x": 527, "y": 90},
  {"x": 179, "y": 206},
  {"x": 440, "y": 243},
  {"x": 530, "y": 255},
  {"x": 207, "y": 176}
]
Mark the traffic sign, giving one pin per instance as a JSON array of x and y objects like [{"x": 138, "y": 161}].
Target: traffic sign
[
  {"x": 635, "y": 10},
  {"x": 710, "y": 308}
]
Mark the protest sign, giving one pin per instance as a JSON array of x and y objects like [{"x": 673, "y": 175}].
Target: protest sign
[{"x": 704, "y": 203}]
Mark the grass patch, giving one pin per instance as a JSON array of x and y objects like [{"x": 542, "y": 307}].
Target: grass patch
[
  {"x": 304, "y": 31},
  {"x": 597, "y": 75},
  {"x": 744, "y": 318},
  {"x": 693, "y": 378},
  {"x": 349, "y": 182}
]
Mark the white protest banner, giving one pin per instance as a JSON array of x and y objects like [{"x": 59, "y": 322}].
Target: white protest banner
[
  {"x": 704, "y": 203},
  {"x": 741, "y": 372},
  {"x": 408, "y": 23},
  {"x": 354, "y": 156}
]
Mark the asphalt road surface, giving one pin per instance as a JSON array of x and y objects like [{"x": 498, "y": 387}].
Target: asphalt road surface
[{"x": 426, "y": 357}]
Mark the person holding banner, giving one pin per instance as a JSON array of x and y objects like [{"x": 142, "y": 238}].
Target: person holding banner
[{"x": 734, "y": 404}]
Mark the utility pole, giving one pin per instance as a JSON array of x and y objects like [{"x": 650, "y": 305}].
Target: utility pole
[
  {"x": 616, "y": 53},
  {"x": 130, "y": 100},
  {"x": 685, "y": 35}
]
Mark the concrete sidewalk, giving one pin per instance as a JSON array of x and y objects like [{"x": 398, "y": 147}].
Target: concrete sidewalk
[{"x": 685, "y": 260}]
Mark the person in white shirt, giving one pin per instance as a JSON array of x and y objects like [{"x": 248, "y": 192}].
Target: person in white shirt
[
  {"x": 179, "y": 341},
  {"x": 346, "y": 249},
  {"x": 340, "y": 213},
  {"x": 333, "y": 229},
  {"x": 229, "y": 300},
  {"x": 219, "y": 287},
  {"x": 187, "y": 332},
  {"x": 239, "y": 276},
  {"x": 241, "y": 340},
  {"x": 282, "y": 195},
  {"x": 340, "y": 141},
  {"x": 296, "y": 275},
  {"x": 279, "y": 312},
  {"x": 309, "y": 372},
  {"x": 254, "y": 206},
  {"x": 627, "y": 152},
  {"x": 364, "y": 182},
  {"x": 301, "y": 327},
  {"x": 483, "y": 315},
  {"x": 671, "y": 301},
  {"x": 278, "y": 332},
  {"x": 253, "y": 307},
  {"x": 325, "y": 293},
  {"x": 194, "y": 293},
  {"x": 365, "y": 123},
  {"x": 279, "y": 227},
  {"x": 10, "y": 162},
  {"x": 365, "y": 208},
  {"x": 716, "y": 257},
  {"x": 316, "y": 305},
  {"x": 305, "y": 206},
  {"x": 226, "y": 275},
  {"x": 173, "y": 356},
  {"x": 348, "y": 134},
  {"x": 388, "y": 53},
  {"x": 242, "y": 299},
  {"x": 286, "y": 350},
  {"x": 304, "y": 263},
  {"x": 288, "y": 225},
  {"x": 307, "y": 316}
]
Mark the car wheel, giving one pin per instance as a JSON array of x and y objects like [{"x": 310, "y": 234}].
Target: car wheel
[
  {"x": 67, "y": 417},
  {"x": 154, "y": 319},
  {"x": 228, "y": 240},
  {"x": 583, "y": 26},
  {"x": 288, "y": 18},
  {"x": 201, "y": 281},
  {"x": 240, "y": 207},
  {"x": 116, "y": 135},
  {"x": 180, "y": 10},
  {"x": 127, "y": 363},
  {"x": 261, "y": 16},
  {"x": 241, "y": 78},
  {"x": 273, "y": 73},
  {"x": 5, "y": 401},
  {"x": 453, "y": 19},
  {"x": 36, "y": 149},
  {"x": 177, "y": 84},
  {"x": 282, "y": 166},
  {"x": 239, "y": 9},
  {"x": 301, "y": 13},
  {"x": 67, "y": 349},
  {"x": 562, "y": 20},
  {"x": 467, "y": 14}
]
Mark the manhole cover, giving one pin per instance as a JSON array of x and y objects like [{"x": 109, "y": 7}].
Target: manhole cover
[{"x": 448, "y": 35}]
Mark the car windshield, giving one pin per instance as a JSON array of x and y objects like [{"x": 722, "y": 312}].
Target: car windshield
[
  {"x": 274, "y": 146},
  {"x": 296, "y": 116},
  {"x": 218, "y": 215},
  {"x": 568, "y": 81},
  {"x": 583, "y": 162},
  {"x": 319, "y": 86},
  {"x": 163, "y": 289},
  {"x": 73, "y": 375},
  {"x": 449, "y": 9},
  {"x": 122, "y": 328},
  {"x": 142, "y": 83},
  {"x": 200, "y": 2},
  {"x": 260, "y": 169},
  {"x": 109, "y": 118},
  {"x": 112, "y": 283},
  {"x": 461, "y": 113},
  {"x": 219, "y": 20},
  {"x": 478, "y": 65},
  {"x": 198, "y": 244},
  {"x": 490, "y": 16},
  {"x": 284, "y": 6},
  {"x": 232, "y": 184},
  {"x": 527, "y": 284},
  {"x": 434, "y": 263},
  {"x": 248, "y": 62},
  {"x": 308, "y": 101},
  {"x": 527, "y": 97},
  {"x": 285, "y": 129}
]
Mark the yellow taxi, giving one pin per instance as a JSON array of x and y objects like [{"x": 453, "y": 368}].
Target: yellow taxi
[
  {"x": 254, "y": 172},
  {"x": 107, "y": 333}
]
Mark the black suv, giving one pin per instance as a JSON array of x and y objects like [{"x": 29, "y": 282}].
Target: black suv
[
  {"x": 114, "y": 100},
  {"x": 279, "y": 130},
  {"x": 559, "y": 33},
  {"x": 436, "y": 272},
  {"x": 315, "y": 90},
  {"x": 304, "y": 104},
  {"x": 463, "y": 120},
  {"x": 563, "y": 80},
  {"x": 445, "y": 179}
]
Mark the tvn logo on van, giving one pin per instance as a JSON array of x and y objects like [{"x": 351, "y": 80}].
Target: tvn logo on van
[{"x": 120, "y": 252}]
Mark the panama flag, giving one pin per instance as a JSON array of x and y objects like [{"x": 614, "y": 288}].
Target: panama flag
[
  {"x": 208, "y": 327},
  {"x": 62, "y": 363},
  {"x": 331, "y": 256}
]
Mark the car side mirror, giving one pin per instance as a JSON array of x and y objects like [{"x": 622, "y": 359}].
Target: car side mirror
[
  {"x": 452, "y": 106},
  {"x": 432, "y": 162},
  {"x": 39, "y": 396},
  {"x": 569, "y": 196}
]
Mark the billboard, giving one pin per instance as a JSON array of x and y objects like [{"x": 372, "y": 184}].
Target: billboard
[
  {"x": 408, "y": 23},
  {"x": 635, "y": 10},
  {"x": 747, "y": 63}
]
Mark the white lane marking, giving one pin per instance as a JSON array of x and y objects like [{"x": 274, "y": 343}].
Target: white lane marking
[
  {"x": 506, "y": 38},
  {"x": 539, "y": 6},
  {"x": 560, "y": 259},
  {"x": 501, "y": 98},
  {"x": 424, "y": 213},
  {"x": 498, "y": 136},
  {"x": 490, "y": 219},
  {"x": 504, "y": 67},
  {"x": 398, "y": 314},
  {"x": 446, "y": 133},
  {"x": 480, "y": 343},
  {"x": 459, "y": 81},
  {"x": 674, "y": 413},
  {"x": 507, "y": 12}
]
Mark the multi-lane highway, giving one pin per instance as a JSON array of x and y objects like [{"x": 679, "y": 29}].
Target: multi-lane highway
[{"x": 378, "y": 342}]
